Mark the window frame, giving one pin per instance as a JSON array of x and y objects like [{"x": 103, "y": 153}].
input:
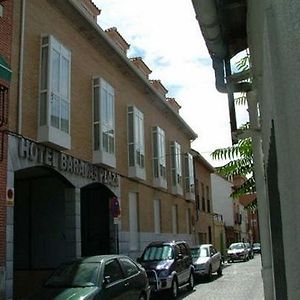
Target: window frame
[
  {"x": 103, "y": 122},
  {"x": 189, "y": 177},
  {"x": 176, "y": 168},
  {"x": 159, "y": 157},
  {"x": 53, "y": 89},
  {"x": 136, "y": 142}
]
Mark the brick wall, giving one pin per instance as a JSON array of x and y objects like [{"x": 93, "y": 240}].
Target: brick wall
[{"x": 6, "y": 24}]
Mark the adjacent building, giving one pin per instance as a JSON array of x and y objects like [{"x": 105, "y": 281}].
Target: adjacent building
[
  {"x": 98, "y": 156},
  {"x": 204, "y": 222},
  {"x": 270, "y": 29},
  {"x": 6, "y": 195},
  {"x": 226, "y": 206}
]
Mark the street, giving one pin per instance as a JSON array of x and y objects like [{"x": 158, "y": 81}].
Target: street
[{"x": 240, "y": 280}]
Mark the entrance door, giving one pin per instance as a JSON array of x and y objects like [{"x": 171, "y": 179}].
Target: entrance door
[
  {"x": 97, "y": 234},
  {"x": 40, "y": 243}
]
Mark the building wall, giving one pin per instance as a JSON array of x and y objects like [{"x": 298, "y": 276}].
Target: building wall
[
  {"x": 220, "y": 236},
  {"x": 221, "y": 190},
  {"x": 274, "y": 45},
  {"x": 6, "y": 23},
  {"x": 204, "y": 225},
  {"x": 90, "y": 57}
]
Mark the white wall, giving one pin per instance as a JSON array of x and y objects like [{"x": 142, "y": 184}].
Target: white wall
[
  {"x": 274, "y": 40},
  {"x": 222, "y": 202}
]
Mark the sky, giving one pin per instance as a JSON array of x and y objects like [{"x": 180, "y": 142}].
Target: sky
[{"x": 166, "y": 34}]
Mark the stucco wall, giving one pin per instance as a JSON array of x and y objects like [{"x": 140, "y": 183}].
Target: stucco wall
[
  {"x": 275, "y": 46},
  {"x": 221, "y": 190}
]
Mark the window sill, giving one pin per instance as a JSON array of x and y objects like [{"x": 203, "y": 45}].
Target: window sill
[{"x": 54, "y": 137}]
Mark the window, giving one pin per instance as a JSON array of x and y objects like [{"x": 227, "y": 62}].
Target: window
[
  {"x": 188, "y": 221},
  {"x": 202, "y": 237},
  {"x": 112, "y": 269},
  {"x": 176, "y": 168},
  {"x": 103, "y": 122},
  {"x": 129, "y": 267},
  {"x": 157, "y": 216},
  {"x": 203, "y": 197},
  {"x": 209, "y": 234},
  {"x": 174, "y": 219},
  {"x": 207, "y": 199},
  {"x": 136, "y": 144},
  {"x": 189, "y": 179},
  {"x": 54, "y": 104},
  {"x": 159, "y": 157}
]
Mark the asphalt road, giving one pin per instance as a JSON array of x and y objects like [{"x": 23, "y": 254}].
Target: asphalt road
[{"x": 240, "y": 280}]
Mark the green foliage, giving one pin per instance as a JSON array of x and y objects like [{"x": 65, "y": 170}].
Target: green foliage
[
  {"x": 240, "y": 164},
  {"x": 243, "y": 64},
  {"x": 241, "y": 100}
]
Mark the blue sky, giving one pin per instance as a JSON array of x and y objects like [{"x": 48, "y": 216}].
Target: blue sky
[{"x": 168, "y": 38}]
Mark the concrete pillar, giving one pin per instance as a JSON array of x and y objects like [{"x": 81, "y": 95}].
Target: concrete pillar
[
  {"x": 73, "y": 224},
  {"x": 262, "y": 200}
]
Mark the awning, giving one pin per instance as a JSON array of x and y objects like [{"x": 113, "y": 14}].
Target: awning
[{"x": 5, "y": 71}]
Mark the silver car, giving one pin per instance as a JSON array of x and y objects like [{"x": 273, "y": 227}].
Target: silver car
[
  {"x": 207, "y": 260},
  {"x": 237, "y": 251}
]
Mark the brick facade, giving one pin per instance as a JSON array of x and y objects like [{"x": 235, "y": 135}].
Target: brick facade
[
  {"x": 6, "y": 25},
  {"x": 93, "y": 54}
]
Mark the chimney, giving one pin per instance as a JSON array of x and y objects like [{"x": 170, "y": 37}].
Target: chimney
[
  {"x": 90, "y": 8},
  {"x": 141, "y": 66},
  {"x": 174, "y": 104},
  {"x": 118, "y": 39},
  {"x": 159, "y": 87}
]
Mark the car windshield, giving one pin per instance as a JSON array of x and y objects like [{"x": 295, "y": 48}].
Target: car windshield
[
  {"x": 163, "y": 252},
  {"x": 236, "y": 246},
  {"x": 74, "y": 275},
  {"x": 199, "y": 252},
  {"x": 256, "y": 245}
]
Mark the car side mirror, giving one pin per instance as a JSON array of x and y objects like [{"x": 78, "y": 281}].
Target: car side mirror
[
  {"x": 180, "y": 256},
  {"x": 106, "y": 280}
]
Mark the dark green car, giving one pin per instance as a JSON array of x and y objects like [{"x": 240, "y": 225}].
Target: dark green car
[{"x": 97, "y": 277}]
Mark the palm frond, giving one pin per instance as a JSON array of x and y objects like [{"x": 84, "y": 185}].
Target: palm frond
[
  {"x": 241, "y": 100},
  {"x": 242, "y": 148}
]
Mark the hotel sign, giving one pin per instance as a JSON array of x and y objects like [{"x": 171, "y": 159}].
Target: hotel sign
[{"x": 42, "y": 154}]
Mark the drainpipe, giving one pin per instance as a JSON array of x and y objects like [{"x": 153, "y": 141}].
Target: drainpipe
[
  {"x": 222, "y": 69},
  {"x": 21, "y": 64},
  {"x": 264, "y": 216}
]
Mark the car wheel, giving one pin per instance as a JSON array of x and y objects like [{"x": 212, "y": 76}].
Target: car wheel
[
  {"x": 174, "y": 289},
  {"x": 142, "y": 297},
  {"x": 191, "y": 281},
  {"x": 220, "y": 270},
  {"x": 209, "y": 275}
]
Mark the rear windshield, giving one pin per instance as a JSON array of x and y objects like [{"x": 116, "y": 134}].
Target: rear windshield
[
  {"x": 163, "y": 252},
  {"x": 199, "y": 252},
  {"x": 236, "y": 246}
]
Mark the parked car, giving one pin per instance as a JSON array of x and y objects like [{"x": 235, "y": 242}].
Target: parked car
[
  {"x": 207, "y": 260},
  {"x": 169, "y": 266},
  {"x": 237, "y": 251},
  {"x": 256, "y": 248},
  {"x": 97, "y": 277},
  {"x": 250, "y": 250}
]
